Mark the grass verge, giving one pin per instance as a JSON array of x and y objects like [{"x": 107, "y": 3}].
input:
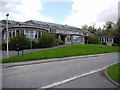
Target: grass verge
[
  {"x": 113, "y": 72},
  {"x": 67, "y": 51}
]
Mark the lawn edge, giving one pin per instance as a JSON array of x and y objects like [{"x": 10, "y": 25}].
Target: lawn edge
[
  {"x": 13, "y": 64},
  {"x": 110, "y": 79}
]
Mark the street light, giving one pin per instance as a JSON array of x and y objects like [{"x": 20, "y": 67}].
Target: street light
[{"x": 7, "y": 36}]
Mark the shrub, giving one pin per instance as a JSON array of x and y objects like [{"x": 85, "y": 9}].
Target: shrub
[
  {"x": 46, "y": 40},
  {"x": 104, "y": 43},
  {"x": 34, "y": 44},
  {"x": 115, "y": 45},
  {"x": 59, "y": 42},
  {"x": 4, "y": 46},
  {"x": 93, "y": 40},
  {"x": 19, "y": 42}
]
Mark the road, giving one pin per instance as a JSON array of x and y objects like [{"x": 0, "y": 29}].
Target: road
[{"x": 57, "y": 73}]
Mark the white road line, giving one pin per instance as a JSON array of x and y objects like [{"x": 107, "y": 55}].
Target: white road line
[
  {"x": 73, "y": 78},
  {"x": 69, "y": 79}
]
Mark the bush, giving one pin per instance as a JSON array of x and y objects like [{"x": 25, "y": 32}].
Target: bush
[
  {"x": 93, "y": 40},
  {"x": 115, "y": 45},
  {"x": 46, "y": 40},
  {"x": 4, "y": 46},
  {"x": 104, "y": 43},
  {"x": 117, "y": 40},
  {"x": 34, "y": 44},
  {"x": 19, "y": 42},
  {"x": 59, "y": 42}
]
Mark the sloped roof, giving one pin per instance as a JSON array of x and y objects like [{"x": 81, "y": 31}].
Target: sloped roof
[{"x": 52, "y": 26}]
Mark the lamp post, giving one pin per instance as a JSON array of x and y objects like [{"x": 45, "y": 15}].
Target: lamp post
[{"x": 7, "y": 36}]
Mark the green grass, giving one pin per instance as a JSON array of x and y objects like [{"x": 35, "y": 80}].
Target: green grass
[
  {"x": 66, "y": 51},
  {"x": 113, "y": 72}
]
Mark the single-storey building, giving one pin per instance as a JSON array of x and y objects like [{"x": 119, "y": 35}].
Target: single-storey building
[
  {"x": 109, "y": 40},
  {"x": 33, "y": 30}
]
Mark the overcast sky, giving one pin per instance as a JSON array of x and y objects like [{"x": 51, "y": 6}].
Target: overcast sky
[{"x": 70, "y": 12}]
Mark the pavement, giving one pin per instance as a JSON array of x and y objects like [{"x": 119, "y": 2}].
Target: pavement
[{"x": 74, "y": 72}]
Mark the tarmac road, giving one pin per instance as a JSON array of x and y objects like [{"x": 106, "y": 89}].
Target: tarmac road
[{"x": 53, "y": 74}]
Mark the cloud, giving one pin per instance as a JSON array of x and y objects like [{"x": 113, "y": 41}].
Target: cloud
[
  {"x": 92, "y": 12},
  {"x": 119, "y": 9},
  {"x": 56, "y": 0},
  {"x": 23, "y": 10}
]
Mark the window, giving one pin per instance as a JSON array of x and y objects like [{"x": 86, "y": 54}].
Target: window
[
  {"x": 36, "y": 34},
  {"x": 17, "y": 31},
  {"x": 107, "y": 39},
  {"x": 102, "y": 39},
  {"x": 9, "y": 34},
  {"x": 5, "y": 35},
  {"x": 13, "y": 33},
  {"x": 68, "y": 39},
  {"x": 31, "y": 34},
  {"x": 22, "y": 31},
  {"x": 76, "y": 39},
  {"x": 27, "y": 31}
]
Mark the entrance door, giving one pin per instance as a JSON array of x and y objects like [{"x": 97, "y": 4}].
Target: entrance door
[
  {"x": 86, "y": 40},
  {"x": 63, "y": 38}
]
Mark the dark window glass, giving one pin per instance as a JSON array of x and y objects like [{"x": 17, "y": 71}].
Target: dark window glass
[
  {"x": 9, "y": 34},
  {"x": 13, "y": 33},
  {"x": 17, "y": 31}
]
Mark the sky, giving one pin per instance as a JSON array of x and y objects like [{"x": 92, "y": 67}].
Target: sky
[{"x": 70, "y": 12}]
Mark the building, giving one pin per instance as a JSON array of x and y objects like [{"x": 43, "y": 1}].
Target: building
[
  {"x": 109, "y": 40},
  {"x": 33, "y": 29},
  {"x": 30, "y": 31}
]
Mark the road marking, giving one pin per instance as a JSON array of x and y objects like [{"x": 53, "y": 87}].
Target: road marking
[
  {"x": 74, "y": 77},
  {"x": 69, "y": 79}
]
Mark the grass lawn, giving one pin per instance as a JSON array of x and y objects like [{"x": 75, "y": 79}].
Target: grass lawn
[
  {"x": 113, "y": 72},
  {"x": 66, "y": 51}
]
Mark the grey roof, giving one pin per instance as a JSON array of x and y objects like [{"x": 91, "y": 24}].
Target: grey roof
[{"x": 52, "y": 26}]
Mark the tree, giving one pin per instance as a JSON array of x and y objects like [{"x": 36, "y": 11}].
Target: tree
[
  {"x": 117, "y": 33},
  {"x": 19, "y": 42},
  {"x": 98, "y": 31},
  {"x": 84, "y": 27},
  {"x": 91, "y": 29},
  {"x": 109, "y": 24},
  {"x": 109, "y": 28}
]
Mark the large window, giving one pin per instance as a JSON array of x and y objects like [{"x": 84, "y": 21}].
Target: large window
[
  {"x": 76, "y": 39},
  {"x": 5, "y": 35},
  {"x": 13, "y": 33},
  {"x": 31, "y": 34}
]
